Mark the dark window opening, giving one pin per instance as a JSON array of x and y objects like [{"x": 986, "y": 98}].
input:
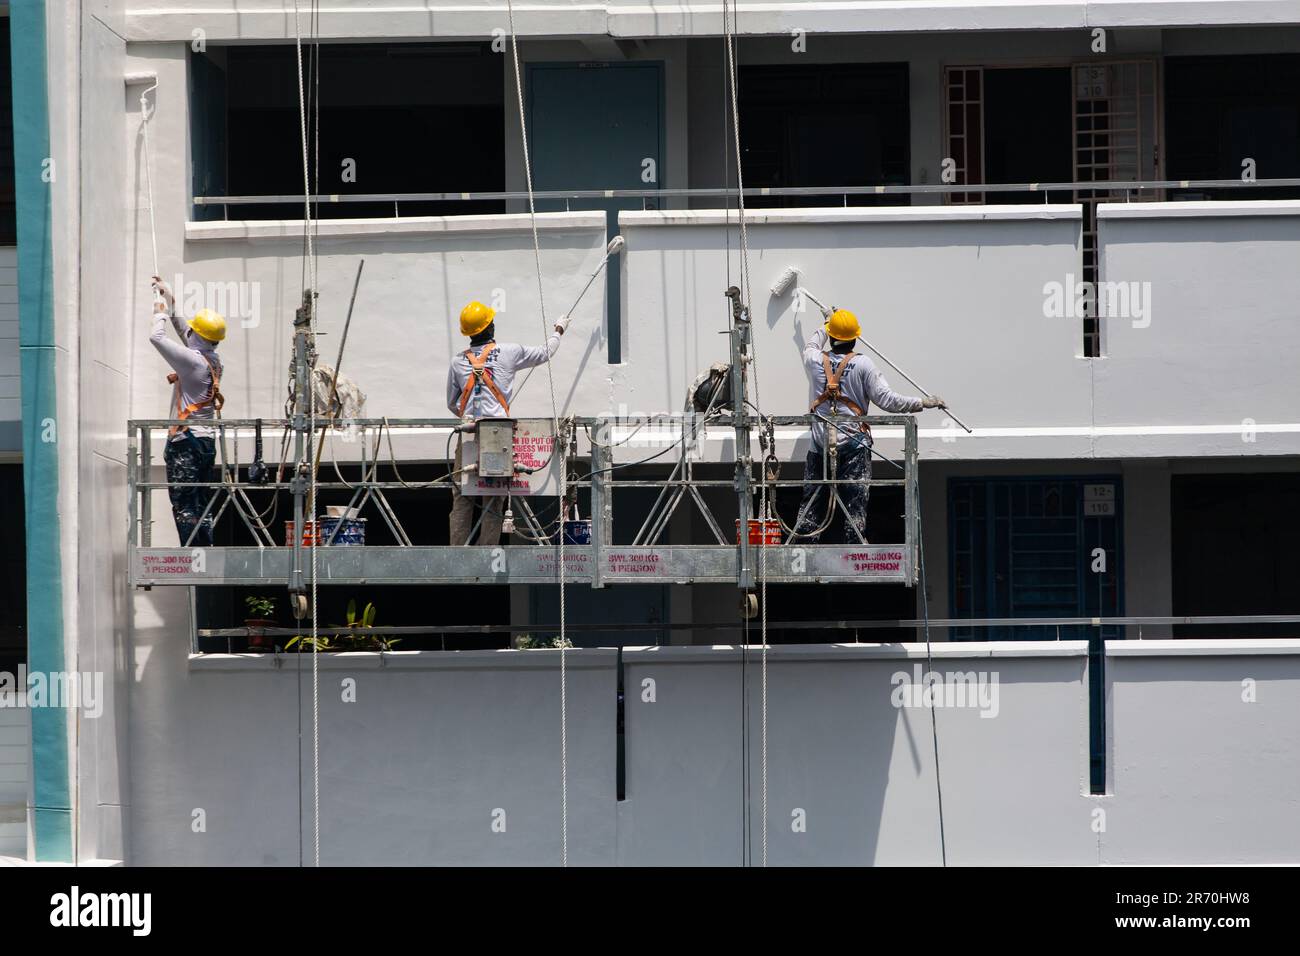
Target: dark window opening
[
  {"x": 423, "y": 519},
  {"x": 394, "y": 118},
  {"x": 1233, "y": 551},
  {"x": 1027, "y": 132},
  {"x": 1221, "y": 110},
  {"x": 13, "y": 570},
  {"x": 825, "y": 125}
]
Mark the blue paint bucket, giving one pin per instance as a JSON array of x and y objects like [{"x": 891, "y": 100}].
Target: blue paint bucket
[
  {"x": 577, "y": 531},
  {"x": 352, "y": 531}
]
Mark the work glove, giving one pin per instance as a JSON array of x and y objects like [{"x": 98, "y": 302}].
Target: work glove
[
  {"x": 561, "y": 324},
  {"x": 933, "y": 401},
  {"x": 162, "y": 289}
]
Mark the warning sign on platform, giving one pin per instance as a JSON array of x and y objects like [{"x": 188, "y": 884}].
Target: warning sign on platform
[
  {"x": 640, "y": 564},
  {"x": 534, "y": 447},
  {"x": 162, "y": 565},
  {"x": 871, "y": 561}
]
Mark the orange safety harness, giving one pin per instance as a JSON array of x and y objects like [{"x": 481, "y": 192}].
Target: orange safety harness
[
  {"x": 832, "y": 392},
  {"x": 480, "y": 374},
  {"x": 215, "y": 398}
]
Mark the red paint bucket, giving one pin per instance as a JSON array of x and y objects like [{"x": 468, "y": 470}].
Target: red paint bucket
[
  {"x": 758, "y": 534},
  {"x": 306, "y": 535}
]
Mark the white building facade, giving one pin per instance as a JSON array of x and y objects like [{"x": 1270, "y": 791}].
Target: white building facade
[{"x": 1125, "y": 356}]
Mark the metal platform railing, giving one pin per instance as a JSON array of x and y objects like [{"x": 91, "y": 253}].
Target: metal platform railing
[
  {"x": 607, "y": 464},
  {"x": 1122, "y": 187}
]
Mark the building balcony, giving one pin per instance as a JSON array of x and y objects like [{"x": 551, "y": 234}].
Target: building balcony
[{"x": 984, "y": 305}]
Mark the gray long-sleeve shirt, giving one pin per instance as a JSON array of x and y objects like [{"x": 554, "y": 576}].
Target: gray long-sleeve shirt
[
  {"x": 862, "y": 384},
  {"x": 504, "y": 361},
  {"x": 193, "y": 376}
]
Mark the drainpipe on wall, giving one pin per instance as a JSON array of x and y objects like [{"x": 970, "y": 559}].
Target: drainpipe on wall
[{"x": 34, "y": 175}]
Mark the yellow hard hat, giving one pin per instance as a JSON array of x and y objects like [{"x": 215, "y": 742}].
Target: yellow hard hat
[
  {"x": 474, "y": 318},
  {"x": 843, "y": 325},
  {"x": 208, "y": 325}
]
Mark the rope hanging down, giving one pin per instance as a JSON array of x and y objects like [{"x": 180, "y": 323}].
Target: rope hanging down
[
  {"x": 729, "y": 15},
  {"x": 309, "y": 261},
  {"x": 555, "y": 420}
]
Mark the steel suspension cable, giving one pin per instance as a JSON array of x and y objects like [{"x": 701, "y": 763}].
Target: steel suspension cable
[
  {"x": 555, "y": 418},
  {"x": 309, "y": 262}
]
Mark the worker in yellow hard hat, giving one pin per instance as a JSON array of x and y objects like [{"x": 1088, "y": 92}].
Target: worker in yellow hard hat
[
  {"x": 480, "y": 384},
  {"x": 843, "y": 383},
  {"x": 196, "y": 401}
]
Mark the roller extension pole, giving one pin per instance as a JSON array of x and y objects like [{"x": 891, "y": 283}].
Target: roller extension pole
[
  {"x": 827, "y": 310},
  {"x": 334, "y": 383},
  {"x": 884, "y": 358},
  {"x": 613, "y": 248}
]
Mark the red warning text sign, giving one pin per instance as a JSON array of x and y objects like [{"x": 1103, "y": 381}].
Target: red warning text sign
[
  {"x": 638, "y": 564},
  {"x": 160, "y": 565},
  {"x": 533, "y": 445},
  {"x": 873, "y": 561}
]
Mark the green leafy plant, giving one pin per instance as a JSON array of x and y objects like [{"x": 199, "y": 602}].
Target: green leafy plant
[
  {"x": 260, "y": 607},
  {"x": 367, "y": 618},
  {"x": 322, "y": 642},
  {"x": 526, "y": 642},
  {"x": 358, "y": 640}
]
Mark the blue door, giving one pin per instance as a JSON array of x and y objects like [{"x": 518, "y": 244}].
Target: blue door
[
  {"x": 597, "y": 126},
  {"x": 1026, "y": 547}
]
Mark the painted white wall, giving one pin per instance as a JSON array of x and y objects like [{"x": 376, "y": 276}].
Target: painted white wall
[
  {"x": 418, "y": 275},
  {"x": 1201, "y": 741},
  {"x": 1218, "y": 347},
  {"x": 952, "y": 295},
  {"x": 859, "y": 767},
  {"x": 1189, "y": 757},
  {"x": 228, "y": 19},
  {"x": 412, "y": 769}
]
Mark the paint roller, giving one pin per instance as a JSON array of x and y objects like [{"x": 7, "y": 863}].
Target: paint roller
[
  {"x": 149, "y": 80},
  {"x": 787, "y": 279}
]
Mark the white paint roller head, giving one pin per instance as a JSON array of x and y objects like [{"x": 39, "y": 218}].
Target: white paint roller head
[
  {"x": 615, "y": 246},
  {"x": 149, "y": 80},
  {"x": 784, "y": 281}
]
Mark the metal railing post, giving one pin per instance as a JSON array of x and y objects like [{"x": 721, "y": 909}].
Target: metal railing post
[
  {"x": 740, "y": 332},
  {"x": 132, "y": 506},
  {"x": 912, "y": 498},
  {"x": 146, "y": 498},
  {"x": 602, "y": 510}
]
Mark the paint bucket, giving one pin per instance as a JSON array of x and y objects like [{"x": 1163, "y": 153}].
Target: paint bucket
[
  {"x": 351, "y": 533},
  {"x": 760, "y": 536},
  {"x": 577, "y": 531},
  {"x": 306, "y": 535}
]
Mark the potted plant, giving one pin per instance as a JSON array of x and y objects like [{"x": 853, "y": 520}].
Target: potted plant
[
  {"x": 357, "y": 637},
  {"x": 358, "y": 624},
  {"x": 261, "y": 611},
  {"x": 526, "y": 642}
]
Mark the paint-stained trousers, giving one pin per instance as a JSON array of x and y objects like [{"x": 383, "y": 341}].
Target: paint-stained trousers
[
  {"x": 462, "y": 513},
  {"x": 853, "y": 468},
  {"x": 189, "y": 458}
]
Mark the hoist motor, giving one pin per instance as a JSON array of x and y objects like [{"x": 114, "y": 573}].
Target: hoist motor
[{"x": 496, "y": 447}]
